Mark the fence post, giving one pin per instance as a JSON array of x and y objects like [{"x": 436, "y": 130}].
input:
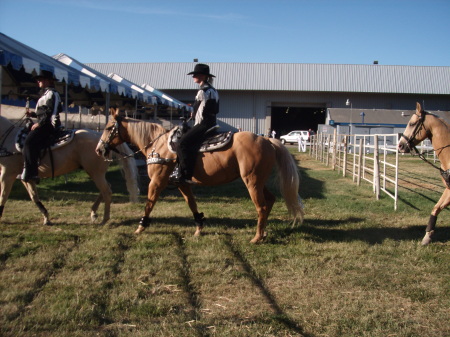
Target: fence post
[
  {"x": 334, "y": 150},
  {"x": 354, "y": 158},
  {"x": 376, "y": 168},
  {"x": 319, "y": 141},
  {"x": 360, "y": 152},
  {"x": 344, "y": 164}
]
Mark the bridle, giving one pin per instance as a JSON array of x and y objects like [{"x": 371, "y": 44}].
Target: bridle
[
  {"x": 410, "y": 144},
  {"x": 115, "y": 132},
  {"x": 418, "y": 127}
]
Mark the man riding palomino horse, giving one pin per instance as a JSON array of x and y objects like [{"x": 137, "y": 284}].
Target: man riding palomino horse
[
  {"x": 47, "y": 112},
  {"x": 206, "y": 107}
]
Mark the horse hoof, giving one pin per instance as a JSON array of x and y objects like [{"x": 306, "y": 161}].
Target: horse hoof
[
  {"x": 139, "y": 230},
  {"x": 94, "y": 217},
  {"x": 428, "y": 238},
  {"x": 198, "y": 231},
  {"x": 48, "y": 223},
  {"x": 256, "y": 240}
]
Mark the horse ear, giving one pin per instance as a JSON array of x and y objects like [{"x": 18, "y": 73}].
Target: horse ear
[
  {"x": 418, "y": 107},
  {"x": 114, "y": 112}
]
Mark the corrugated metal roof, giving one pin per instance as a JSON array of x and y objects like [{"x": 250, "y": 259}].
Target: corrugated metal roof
[{"x": 291, "y": 77}]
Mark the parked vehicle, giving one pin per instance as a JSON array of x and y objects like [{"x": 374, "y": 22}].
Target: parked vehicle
[{"x": 292, "y": 137}]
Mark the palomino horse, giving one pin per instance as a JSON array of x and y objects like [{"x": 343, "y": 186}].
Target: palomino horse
[
  {"x": 424, "y": 125},
  {"x": 249, "y": 156},
  {"x": 79, "y": 153}
]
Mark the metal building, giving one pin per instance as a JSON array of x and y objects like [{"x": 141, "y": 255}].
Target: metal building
[{"x": 262, "y": 96}]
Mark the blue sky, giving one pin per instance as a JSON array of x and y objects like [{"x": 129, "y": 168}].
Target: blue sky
[{"x": 393, "y": 32}]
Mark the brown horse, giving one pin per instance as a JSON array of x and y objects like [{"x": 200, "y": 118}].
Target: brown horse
[
  {"x": 424, "y": 125},
  {"x": 249, "y": 156},
  {"x": 79, "y": 153}
]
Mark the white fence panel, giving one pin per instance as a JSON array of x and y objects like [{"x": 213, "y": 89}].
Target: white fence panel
[{"x": 371, "y": 158}]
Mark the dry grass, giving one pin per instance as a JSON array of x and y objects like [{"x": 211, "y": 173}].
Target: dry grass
[{"x": 354, "y": 268}]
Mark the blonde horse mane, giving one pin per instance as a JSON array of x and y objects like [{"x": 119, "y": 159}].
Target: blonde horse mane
[{"x": 143, "y": 130}]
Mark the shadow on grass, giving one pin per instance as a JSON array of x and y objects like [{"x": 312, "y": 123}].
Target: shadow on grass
[
  {"x": 370, "y": 235},
  {"x": 314, "y": 230},
  {"x": 310, "y": 187},
  {"x": 258, "y": 283},
  {"x": 77, "y": 186}
]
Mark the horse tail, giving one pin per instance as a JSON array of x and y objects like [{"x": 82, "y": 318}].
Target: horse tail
[
  {"x": 289, "y": 181},
  {"x": 129, "y": 169}
]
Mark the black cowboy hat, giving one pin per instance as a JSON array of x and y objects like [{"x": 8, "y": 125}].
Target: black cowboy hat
[
  {"x": 201, "y": 68},
  {"x": 44, "y": 74}
]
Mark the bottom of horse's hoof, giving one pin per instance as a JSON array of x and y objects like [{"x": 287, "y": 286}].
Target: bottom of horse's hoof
[
  {"x": 428, "y": 238},
  {"x": 139, "y": 230}
]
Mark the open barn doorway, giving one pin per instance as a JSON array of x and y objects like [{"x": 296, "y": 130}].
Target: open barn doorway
[{"x": 286, "y": 118}]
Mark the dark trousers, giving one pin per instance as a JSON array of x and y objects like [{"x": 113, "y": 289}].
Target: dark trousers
[
  {"x": 36, "y": 140},
  {"x": 188, "y": 148}
]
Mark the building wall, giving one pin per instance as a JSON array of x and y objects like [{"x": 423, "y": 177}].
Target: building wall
[{"x": 251, "y": 110}]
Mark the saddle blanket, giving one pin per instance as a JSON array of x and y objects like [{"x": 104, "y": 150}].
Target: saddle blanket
[
  {"x": 62, "y": 138},
  {"x": 212, "y": 143}
]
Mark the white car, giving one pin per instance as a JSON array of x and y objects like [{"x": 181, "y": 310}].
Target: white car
[{"x": 292, "y": 137}]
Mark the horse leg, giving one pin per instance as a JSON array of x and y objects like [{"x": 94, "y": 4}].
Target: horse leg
[
  {"x": 270, "y": 200},
  {"x": 32, "y": 192},
  {"x": 154, "y": 190},
  {"x": 105, "y": 195},
  {"x": 257, "y": 195},
  {"x": 443, "y": 202},
  {"x": 94, "y": 208},
  {"x": 199, "y": 218},
  {"x": 6, "y": 184}
]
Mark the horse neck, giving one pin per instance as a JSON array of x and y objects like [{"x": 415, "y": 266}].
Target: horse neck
[
  {"x": 143, "y": 133},
  {"x": 440, "y": 138}
]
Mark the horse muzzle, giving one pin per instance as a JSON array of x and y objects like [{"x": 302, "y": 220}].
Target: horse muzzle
[
  {"x": 403, "y": 147},
  {"x": 102, "y": 149}
]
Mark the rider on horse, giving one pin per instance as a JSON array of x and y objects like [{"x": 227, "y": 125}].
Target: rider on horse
[
  {"x": 206, "y": 107},
  {"x": 47, "y": 112}
]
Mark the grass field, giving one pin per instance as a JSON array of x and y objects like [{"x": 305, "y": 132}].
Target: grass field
[{"x": 354, "y": 268}]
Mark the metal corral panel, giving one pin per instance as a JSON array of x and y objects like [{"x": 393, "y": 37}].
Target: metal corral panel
[{"x": 291, "y": 77}]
